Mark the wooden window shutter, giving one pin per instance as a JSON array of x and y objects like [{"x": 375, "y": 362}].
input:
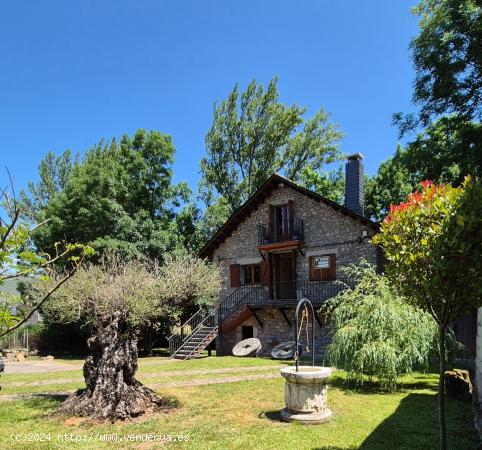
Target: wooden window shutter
[
  {"x": 333, "y": 267},
  {"x": 290, "y": 217},
  {"x": 330, "y": 273},
  {"x": 312, "y": 268},
  {"x": 265, "y": 275},
  {"x": 271, "y": 232},
  {"x": 235, "y": 271}
]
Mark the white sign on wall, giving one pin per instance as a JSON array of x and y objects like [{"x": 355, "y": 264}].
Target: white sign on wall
[{"x": 322, "y": 262}]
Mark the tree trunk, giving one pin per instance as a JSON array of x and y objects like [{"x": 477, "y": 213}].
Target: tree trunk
[
  {"x": 441, "y": 386},
  {"x": 112, "y": 391},
  {"x": 147, "y": 339}
]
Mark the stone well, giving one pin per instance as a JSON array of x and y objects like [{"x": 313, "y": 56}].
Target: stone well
[{"x": 305, "y": 394}]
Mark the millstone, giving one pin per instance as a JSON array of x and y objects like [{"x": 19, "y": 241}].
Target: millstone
[
  {"x": 247, "y": 347},
  {"x": 285, "y": 350}
]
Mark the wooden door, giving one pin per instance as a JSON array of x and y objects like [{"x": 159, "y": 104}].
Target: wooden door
[{"x": 284, "y": 276}]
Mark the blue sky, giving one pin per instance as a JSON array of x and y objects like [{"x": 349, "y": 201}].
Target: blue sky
[{"x": 72, "y": 73}]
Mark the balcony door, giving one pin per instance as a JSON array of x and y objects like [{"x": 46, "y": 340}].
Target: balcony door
[
  {"x": 285, "y": 275},
  {"x": 282, "y": 222}
]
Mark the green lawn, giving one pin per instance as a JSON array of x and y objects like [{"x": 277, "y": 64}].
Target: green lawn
[{"x": 242, "y": 415}]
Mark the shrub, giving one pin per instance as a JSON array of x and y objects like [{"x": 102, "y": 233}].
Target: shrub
[{"x": 375, "y": 333}]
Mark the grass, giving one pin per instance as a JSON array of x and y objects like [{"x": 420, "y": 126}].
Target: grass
[{"x": 245, "y": 415}]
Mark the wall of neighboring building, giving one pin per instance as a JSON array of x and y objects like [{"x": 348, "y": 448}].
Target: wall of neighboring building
[
  {"x": 326, "y": 231},
  {"x": 274, "y": 331},
  {"x": 478, "y": 373}
]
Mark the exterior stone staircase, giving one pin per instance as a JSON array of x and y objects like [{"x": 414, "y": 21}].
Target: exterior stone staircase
[{"x": 198, "y": 332}]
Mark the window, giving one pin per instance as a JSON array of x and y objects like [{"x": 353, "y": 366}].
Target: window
[
  {"x": 322, "y": 268},
  {"x": 252, "y": 274}
]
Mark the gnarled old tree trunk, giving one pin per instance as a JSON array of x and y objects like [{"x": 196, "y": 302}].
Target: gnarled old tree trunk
[{"x": 112, "y": 391}]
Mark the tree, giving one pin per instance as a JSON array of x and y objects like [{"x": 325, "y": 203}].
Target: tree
[
  {"x": 433, "y": 245},
  {"x": 116, "y": 298},
  {"x": 214, "y": 216},
  {"x": 447, "y": 55},
  {"x": 330, "y": 184},
  {"x": 446, "y": 151},
  {"x": 391, "y": 184},
  {"x": 119, "y": 197},
  {"x": 253, "y": 135},
  {"x": 19, "y": 259},
  {"x": 375, "y": 333},
  {"x": 54, "y": 172}
]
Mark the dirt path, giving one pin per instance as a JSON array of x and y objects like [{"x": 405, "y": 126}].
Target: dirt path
[
  {"x": 200, "y": 382},
  {"x": 148, "y": 375},
  {"x": 39, "y": 367}
]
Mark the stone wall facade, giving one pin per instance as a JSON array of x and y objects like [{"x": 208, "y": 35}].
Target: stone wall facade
[
  {"x": 274, "y": 331},
  {"x": 326, "y": 231}
]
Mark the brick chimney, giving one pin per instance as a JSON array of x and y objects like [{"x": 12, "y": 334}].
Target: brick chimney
[{"x": 354, "y": 183}]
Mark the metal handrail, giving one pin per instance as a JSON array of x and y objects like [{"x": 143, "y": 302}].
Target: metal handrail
[
  {"x": 244, "y": 295},
  {"x": 316, "y": 291},
  {"x": 187, "y": 322},
  {"x": 194, "y": 331}
]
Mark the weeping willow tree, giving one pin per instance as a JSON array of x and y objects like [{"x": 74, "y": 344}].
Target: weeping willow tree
[{"x": 375, "y": 334}]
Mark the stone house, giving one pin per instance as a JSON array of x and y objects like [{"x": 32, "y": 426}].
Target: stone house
[{"x": 284, "y": 242}]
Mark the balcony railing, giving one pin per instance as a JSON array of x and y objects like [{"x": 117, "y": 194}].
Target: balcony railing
[
  {"x": 316, "y": 291},
  {"x": 292, "y": 231}
]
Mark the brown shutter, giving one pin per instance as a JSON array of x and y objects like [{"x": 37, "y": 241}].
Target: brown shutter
[
  {"x": 235, "y": 270},
  {"x": 264, "y": 269},
  {"x": 330, "y": 273},
  {"x": 271, "y": 223},
  {"x": 293, "y": 272},
  {"x": 311, "y": 260},
  {"x": 332, "y": 267},
  {"x": 290, "y": 218}
]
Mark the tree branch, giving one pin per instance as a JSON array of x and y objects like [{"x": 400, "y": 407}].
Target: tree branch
[
  {"x": 44, "y": 299},
  {"x": 10, "y": 228}
]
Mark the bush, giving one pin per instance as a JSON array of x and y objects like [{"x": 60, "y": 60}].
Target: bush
[{"x": 374, "y": 332}]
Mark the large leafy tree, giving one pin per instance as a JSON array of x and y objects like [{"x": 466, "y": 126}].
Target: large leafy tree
[
  {"x": 446, "y": 151},
  {"x": 433, "y": 245},
  {"x": 447, "y": 55},
  {"x": 253, "y": 134},
  {"x": 54, "y": 172},
  {"x": 391, "y": 184},
  {"x": 329, "y": 183},
  {"x": 120, "y": 196}
]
